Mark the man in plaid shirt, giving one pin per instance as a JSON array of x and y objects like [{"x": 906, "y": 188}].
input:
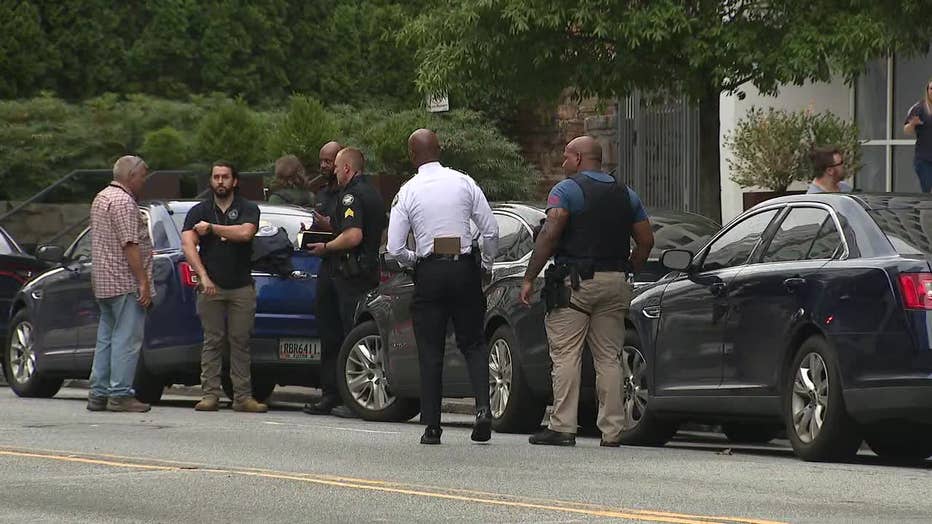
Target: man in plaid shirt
[{"x": 121, "y": 254}]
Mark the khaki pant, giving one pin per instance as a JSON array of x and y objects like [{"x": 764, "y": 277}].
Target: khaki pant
[
  {"x": 606, "y": 298},
  {"x": 227, "y": 318}
]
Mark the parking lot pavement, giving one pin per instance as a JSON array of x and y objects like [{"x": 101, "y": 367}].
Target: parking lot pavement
[{"x": 60, "y": 463}]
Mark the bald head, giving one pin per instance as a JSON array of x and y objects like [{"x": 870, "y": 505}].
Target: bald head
[
  {"x": 423, "y": 147},
  {"x": 582, "y": 154},
  {"x": 328, "y": 155}
]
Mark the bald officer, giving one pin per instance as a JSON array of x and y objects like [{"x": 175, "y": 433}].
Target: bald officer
[{"x": 437, "y": 206}]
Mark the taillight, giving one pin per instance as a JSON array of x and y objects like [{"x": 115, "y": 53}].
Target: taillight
[
  {"x": 188, "y": 276},
  {"x": 917, "y": 290}
]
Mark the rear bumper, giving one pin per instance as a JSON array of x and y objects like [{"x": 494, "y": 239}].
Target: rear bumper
[{"x": 911, "y": 402}]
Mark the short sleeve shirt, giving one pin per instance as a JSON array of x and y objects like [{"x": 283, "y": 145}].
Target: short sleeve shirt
[
  {"x": 923, "y": 131},
  {"x": 117, "y": 221},
  {"x": 228, "y": 264},
  {"x": 569, "y": 196},
  {"x": 360, "y": 205}
]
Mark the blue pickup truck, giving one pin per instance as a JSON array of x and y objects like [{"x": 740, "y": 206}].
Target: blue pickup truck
[{"x": 53, "y": 318}]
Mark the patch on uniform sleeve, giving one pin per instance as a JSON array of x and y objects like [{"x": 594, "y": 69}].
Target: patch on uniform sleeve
[
  {"x": 348, "y": 200},
  {"x": 553, "y": 200},
  {"x": 349, "y": 211}
]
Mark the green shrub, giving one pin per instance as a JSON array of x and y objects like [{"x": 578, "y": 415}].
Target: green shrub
[
  {"x": 302, "y": 130},
  {"x": 166, "y": 149},
  {"x": 771, "y": 149},
  {"x": 233, "y": 132}
]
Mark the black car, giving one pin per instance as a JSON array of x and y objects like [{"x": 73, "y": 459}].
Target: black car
[
  {"x": 810, "y": 314},
  {"x": 379, "y": 359},
  {"x": 16, "y": 268}
]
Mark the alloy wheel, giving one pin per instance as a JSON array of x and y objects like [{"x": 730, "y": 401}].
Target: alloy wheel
[
  {"x": 365, "y": 374},
  {"x": 810, "y": 397},
  {"x": 22, "y": 357},
  {"x": 634, "y": 386},
  {"x": 500, "y": 376}
]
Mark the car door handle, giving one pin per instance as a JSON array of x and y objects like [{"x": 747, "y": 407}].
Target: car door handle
[
  {"x": 794, "y": 283},
  {"x": 718, "y": 289},
  {"x": 301, "y": 275}
]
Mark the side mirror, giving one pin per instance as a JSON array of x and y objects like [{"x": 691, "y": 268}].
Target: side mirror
[
  {"x": 50, "y": 253},
  {"x": 676, "y": 259}
]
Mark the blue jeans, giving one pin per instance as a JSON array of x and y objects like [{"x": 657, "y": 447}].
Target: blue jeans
[
  {"x": 924, "y": 171},
  {"x": 119, "y": 339}
]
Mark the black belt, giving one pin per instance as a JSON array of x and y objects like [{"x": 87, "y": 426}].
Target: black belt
[{"x": 448, "y": 258}]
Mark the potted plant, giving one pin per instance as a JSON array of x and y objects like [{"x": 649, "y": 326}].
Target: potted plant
[{"x": 770, "y": 149}]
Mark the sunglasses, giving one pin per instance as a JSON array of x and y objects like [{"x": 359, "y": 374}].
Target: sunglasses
[{"x": 835, "y": 165}]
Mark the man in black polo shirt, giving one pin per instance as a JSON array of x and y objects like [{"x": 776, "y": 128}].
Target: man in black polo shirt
[
  {"x": 223, "y": 227},
  {"x": 350, "y": 269}
]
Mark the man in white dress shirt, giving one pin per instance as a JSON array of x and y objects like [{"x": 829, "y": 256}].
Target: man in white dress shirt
[{"x": 437, "y": 205}]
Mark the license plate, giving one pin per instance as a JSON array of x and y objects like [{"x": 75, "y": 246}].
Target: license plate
[{"x": 299, "y": 349}]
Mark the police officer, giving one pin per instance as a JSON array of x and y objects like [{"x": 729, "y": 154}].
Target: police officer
[
  {"x": 590, "y": 221},
  {"x": 327, "y": 196},
  {"x": 349, "y": 270},
  {"x": 437, "y": 206}
]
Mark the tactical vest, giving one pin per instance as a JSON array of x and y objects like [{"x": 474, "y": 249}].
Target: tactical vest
[{"x": 599, "y": 236}]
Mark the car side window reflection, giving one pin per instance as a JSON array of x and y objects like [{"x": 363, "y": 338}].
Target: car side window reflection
[
  {"x": 81, "y": 250},
  {"x": 735, "y": 246},
  {"x": 827, "y": 242},
  {"x": 795, "y": 237},
  {"x": 514, "y": 240}
]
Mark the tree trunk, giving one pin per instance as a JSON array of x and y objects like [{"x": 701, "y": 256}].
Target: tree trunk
[{"x": 710, "y": 182}]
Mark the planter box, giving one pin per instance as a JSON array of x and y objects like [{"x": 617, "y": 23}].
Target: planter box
[{"x": 753, "y": 198}]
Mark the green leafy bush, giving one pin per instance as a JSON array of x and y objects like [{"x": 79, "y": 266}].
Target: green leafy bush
[
  {"x": 771, "y": 148},
  {"x": 166, "y": 149},
  {"x": 234, "y": 133},
  {"x": 302, "y": 130}
]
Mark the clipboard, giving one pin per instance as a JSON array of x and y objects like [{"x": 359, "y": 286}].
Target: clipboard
[{"x": 306, "y": 238}]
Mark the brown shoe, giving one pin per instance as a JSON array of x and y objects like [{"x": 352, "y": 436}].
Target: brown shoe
[
  {"x": 95, "y": 403},
  {"x": 127, "y": 405},
  {"x": 208, "y": 403},
  {"x": 250, "y": 405}
]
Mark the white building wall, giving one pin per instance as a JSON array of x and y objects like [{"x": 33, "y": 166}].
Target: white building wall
[{"x": 832, "y": 96}]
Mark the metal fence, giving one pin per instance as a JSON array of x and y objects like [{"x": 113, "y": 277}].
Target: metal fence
[{"x": 659, "y": 151}]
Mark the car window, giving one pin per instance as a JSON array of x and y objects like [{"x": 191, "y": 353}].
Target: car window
[
  {"x": 81, "y": 249},
  {"x": 5, "y": 247},
  {"x": 735, "y": 246},
  {"x": 794, "y": 238},
  {"x": 680, "y": 231},
  {"x": 514, "y": 240},
  {"x": 827, "y": 243},
  {"x": 291, "y": 223}
]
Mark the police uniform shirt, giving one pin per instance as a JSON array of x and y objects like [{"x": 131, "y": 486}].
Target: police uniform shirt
[
  {"x": 440, "y": 202},
  {"x": 228, "y": 264},
  {"x": 360, "y": 205}
]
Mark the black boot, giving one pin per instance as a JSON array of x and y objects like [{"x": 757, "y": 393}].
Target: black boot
[
  {"x": 431, "y": 435},
  {"x": 323, "y": 406},
  {"x": 549, "y": 437},
  {"x": 482, "y": 428}
]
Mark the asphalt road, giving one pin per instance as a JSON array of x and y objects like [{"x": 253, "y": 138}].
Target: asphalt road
[{"x": 60, "y": 463}]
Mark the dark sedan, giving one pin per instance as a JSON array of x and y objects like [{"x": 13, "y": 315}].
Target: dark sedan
[
  {"x": 811, "y": 314},
  {"x": 16, "y": 267},
  {"x": 381, "y": 350}
]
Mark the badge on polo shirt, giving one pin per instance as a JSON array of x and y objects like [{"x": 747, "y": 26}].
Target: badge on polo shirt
[
  {"x": 233, "y": 214},
  {"x": 348, "y": 199}
]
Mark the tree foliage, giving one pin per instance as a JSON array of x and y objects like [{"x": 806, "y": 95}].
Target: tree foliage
[
  {"x": 771, "y": 149},
  {"x": 302, "y": 130},
  {"x": 607, "y": 48}
]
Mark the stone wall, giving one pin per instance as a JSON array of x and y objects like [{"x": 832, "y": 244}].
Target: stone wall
[
  {"x": 42, "y": 223},
  {"x": 543, "y": 132}
]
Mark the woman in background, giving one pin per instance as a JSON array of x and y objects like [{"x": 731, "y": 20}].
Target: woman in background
[{"x": 915, "y": 124}]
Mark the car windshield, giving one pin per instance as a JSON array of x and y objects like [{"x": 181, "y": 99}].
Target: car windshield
[
  {"x": 680, "y": 231},
  {"x": 909, "y": 229}
]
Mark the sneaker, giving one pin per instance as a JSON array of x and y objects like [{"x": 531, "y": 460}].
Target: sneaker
[
  {"x": 431, "y": 435},
  {"x": 482, "y": 428},
  {"x": 250, "y": 405},
  {"x": 323, "y": 406},
  {"x": 549, "y": 437},
  {"x": 127, "y": 405},
  {"x": 95, "y": 403},
  {"x": 343, "y": 411},
  {"x": 208, "y": 403}
]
